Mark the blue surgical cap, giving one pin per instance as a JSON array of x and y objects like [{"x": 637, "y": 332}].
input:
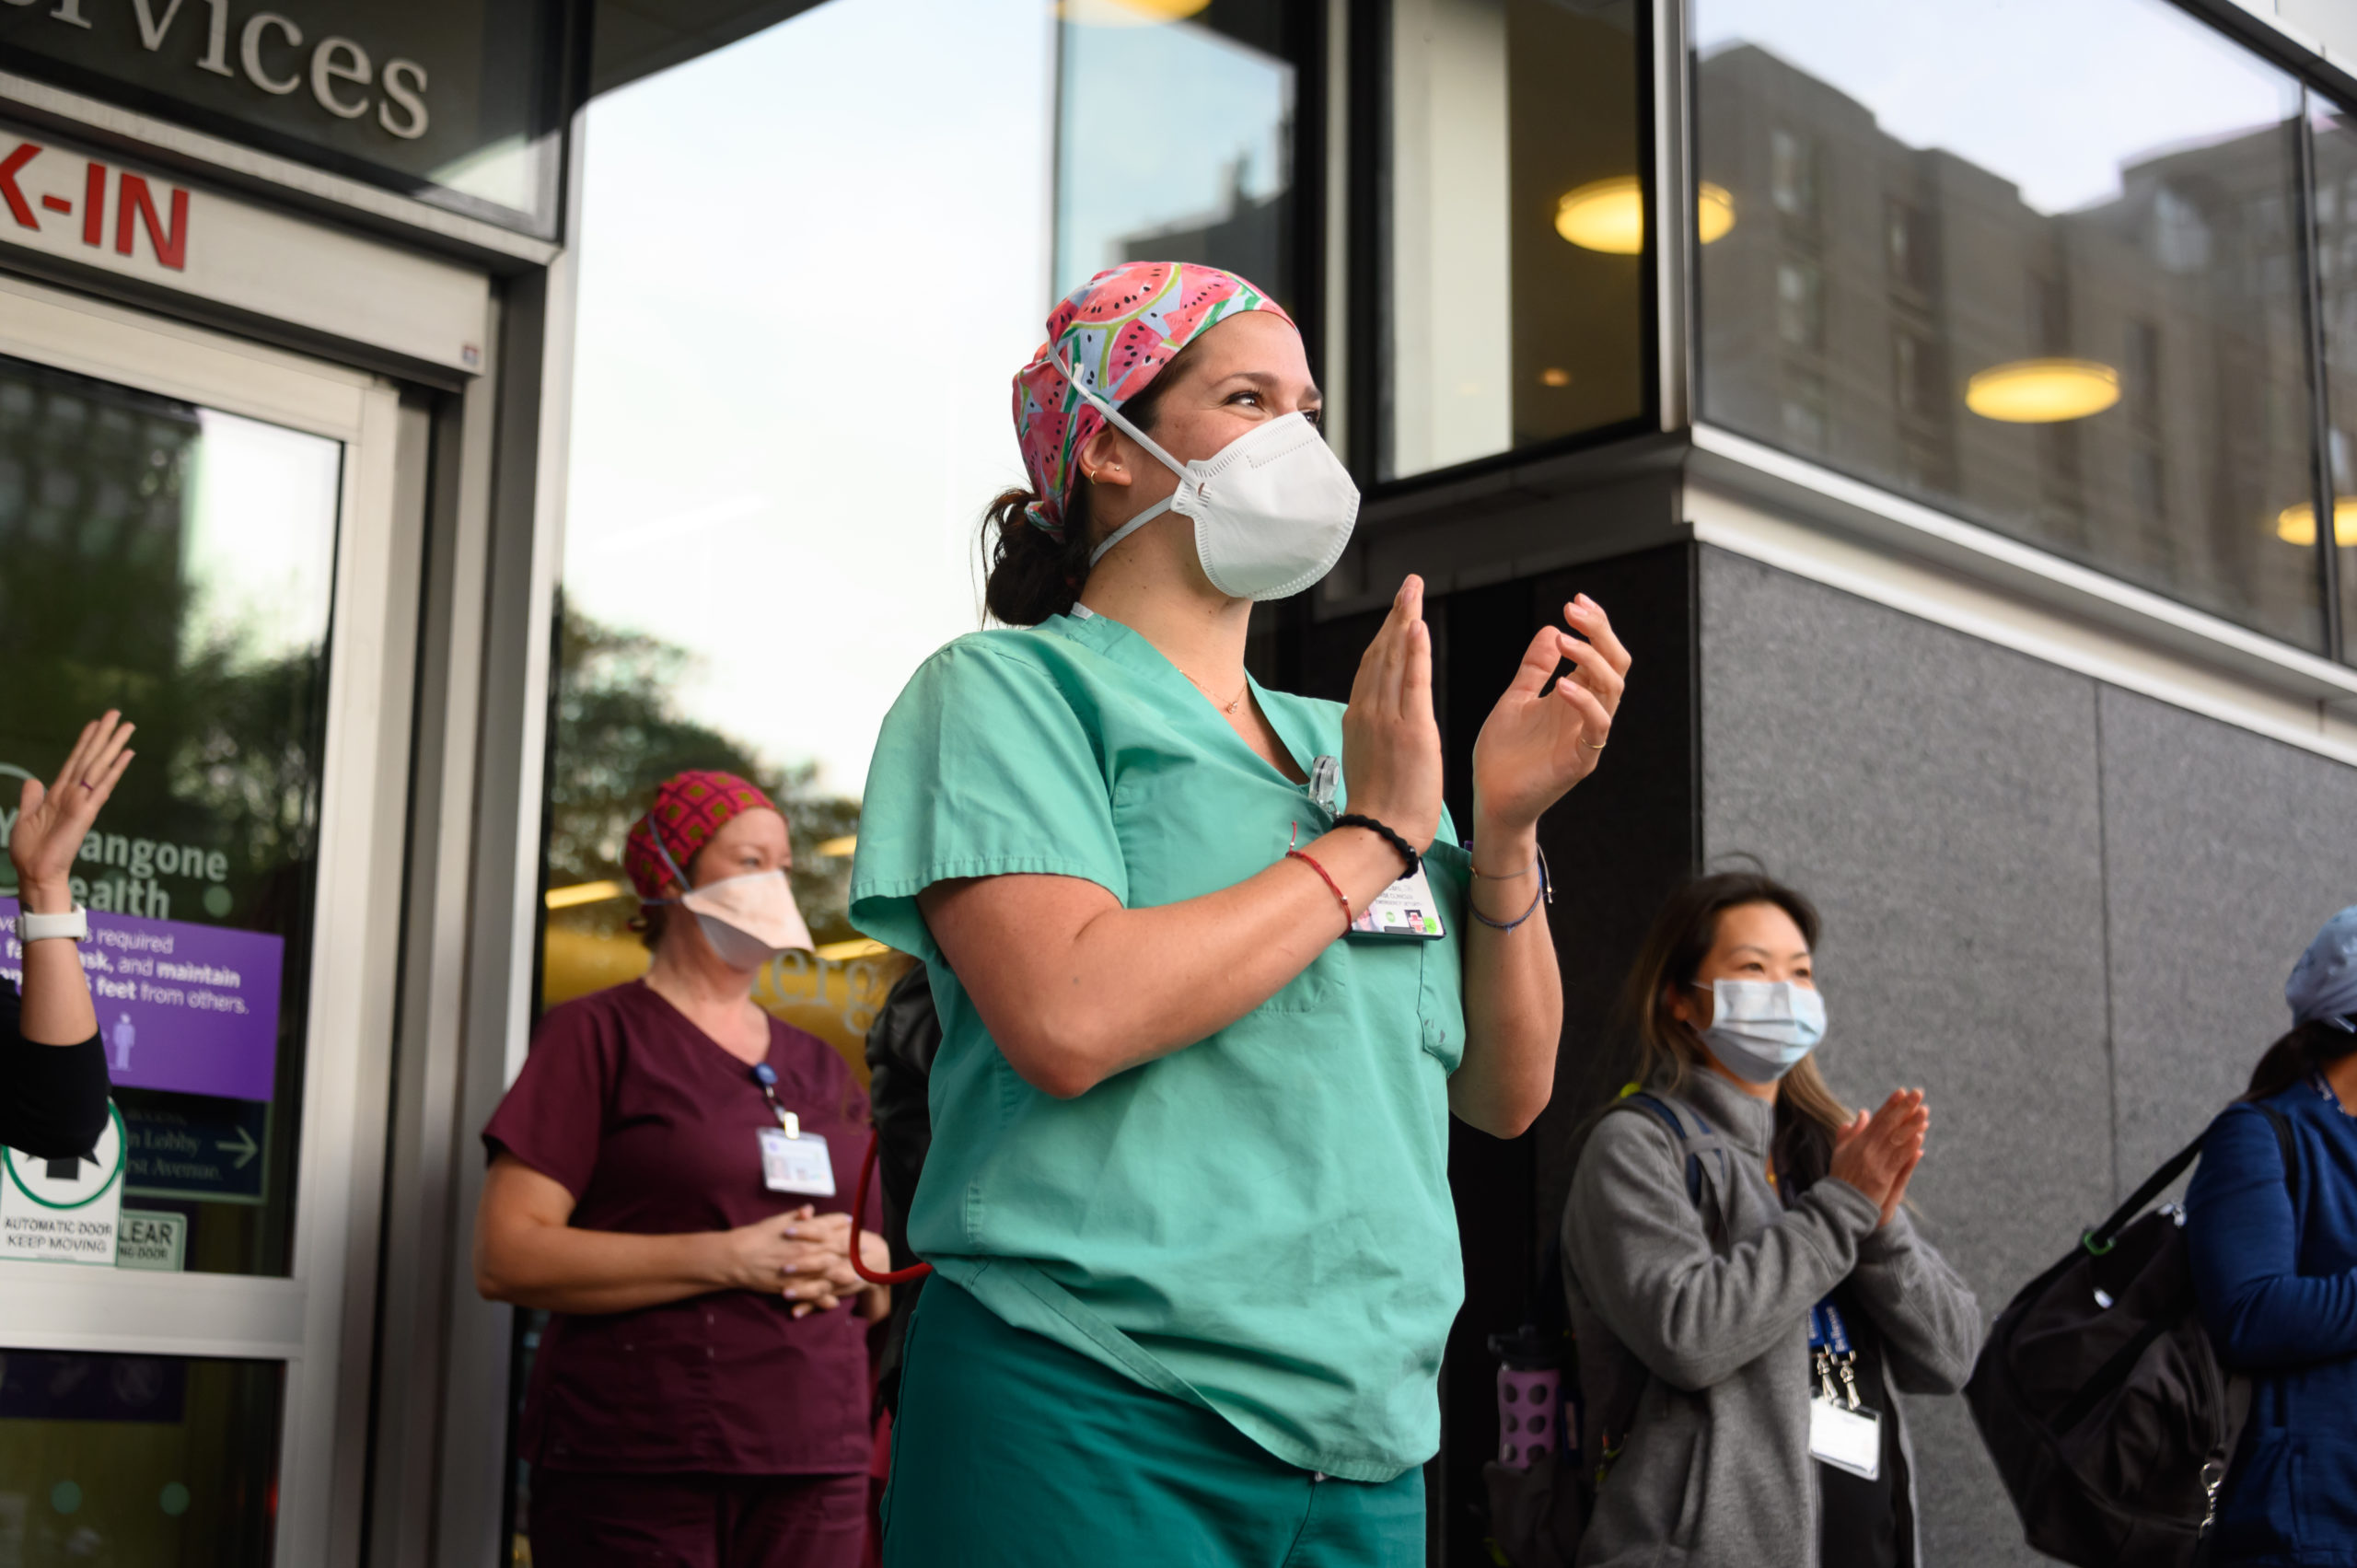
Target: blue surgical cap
[{"x": 2323, "y": 987}]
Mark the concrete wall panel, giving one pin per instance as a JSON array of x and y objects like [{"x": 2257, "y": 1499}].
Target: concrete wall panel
[
  {"x": 2225, "y": 851},
  {"x": 1938, "y": 795}
]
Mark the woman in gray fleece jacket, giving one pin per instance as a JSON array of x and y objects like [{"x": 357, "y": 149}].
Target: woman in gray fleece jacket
[{"x": 1706, "y": 1267}]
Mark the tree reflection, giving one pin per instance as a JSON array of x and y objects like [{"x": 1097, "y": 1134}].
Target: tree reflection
[{"x": 619, "y": 733}]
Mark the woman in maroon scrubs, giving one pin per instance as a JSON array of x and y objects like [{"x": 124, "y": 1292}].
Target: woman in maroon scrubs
[{"x": 670, "y": 1177}]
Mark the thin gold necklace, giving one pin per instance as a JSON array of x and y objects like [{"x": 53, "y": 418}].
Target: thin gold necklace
[{"x": 1228, "y": 707}]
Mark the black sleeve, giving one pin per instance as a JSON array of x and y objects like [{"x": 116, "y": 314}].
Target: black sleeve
[{"x": 52, "y": 1097}]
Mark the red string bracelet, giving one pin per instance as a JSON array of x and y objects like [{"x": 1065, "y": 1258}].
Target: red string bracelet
[{"x": 1307, "y": 859}]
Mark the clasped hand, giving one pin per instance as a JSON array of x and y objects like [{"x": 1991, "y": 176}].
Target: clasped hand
[
  {"x": 1538, "y": 743},
  {"x": 805, "y": 1256}
]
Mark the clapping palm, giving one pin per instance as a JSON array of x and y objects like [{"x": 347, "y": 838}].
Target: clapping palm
[{"x": 1540, "y": 741}]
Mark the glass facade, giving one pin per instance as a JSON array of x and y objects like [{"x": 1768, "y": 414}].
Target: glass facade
[
  {"x": 2039, "y": 268},
  {"x": 1515, "y": 250},
  {"x": 783, "y": 442},
  {"x": 177, "y": 562},
  {"x": 2334, "y": 131},
  {"x": 1228, "y": 192},
  {"x": 162, "y": 1461}
]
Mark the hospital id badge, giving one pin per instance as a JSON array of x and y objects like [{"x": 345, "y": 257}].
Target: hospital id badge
[
  {"x": 796, "y": 1165},
  {"x": 1404, "y": 910},
  {"x": 1846, "y": 1439}
]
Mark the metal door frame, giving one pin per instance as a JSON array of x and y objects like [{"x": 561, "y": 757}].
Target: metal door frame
[{"x": 305, "y": 1320}]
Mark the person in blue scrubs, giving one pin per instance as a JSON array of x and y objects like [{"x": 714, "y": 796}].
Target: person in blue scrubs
[{"x": 2274, "y": 1255}]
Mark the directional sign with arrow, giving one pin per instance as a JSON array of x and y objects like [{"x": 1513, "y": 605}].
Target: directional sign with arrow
[{"x": 198, "y": 1146}]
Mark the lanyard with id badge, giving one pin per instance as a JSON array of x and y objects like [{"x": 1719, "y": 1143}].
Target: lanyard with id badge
[
  {"x": 1406, "y": 911},
  {"x": 1842, "y": 1432},
  {"x": 791, "y": 1160}
]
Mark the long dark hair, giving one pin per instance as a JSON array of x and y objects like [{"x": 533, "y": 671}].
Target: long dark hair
[
  {"x": 1030, "y": 576},
  {"x": 2309, "y": 1047},
  {"x": 1807, "y": 1113}
]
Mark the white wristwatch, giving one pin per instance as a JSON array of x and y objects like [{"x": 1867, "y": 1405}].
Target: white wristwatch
[{"x": 75, "y": 926}]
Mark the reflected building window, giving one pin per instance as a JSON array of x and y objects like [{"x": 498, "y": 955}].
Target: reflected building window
[
  {"x": 2053, "y": 290},
  {"x": 2335, "y": 130},
  {"x": 1178, "y": 132},
  {"x": 1513, "y": 265}
]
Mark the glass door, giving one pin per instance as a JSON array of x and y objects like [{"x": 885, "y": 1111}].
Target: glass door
[{"x": 195, "y": 530}]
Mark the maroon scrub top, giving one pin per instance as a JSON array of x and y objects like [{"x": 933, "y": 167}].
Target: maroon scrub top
[{"x": 654, "y": 1128}]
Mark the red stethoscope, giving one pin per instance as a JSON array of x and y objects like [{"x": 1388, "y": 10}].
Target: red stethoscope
[{"x": 859, "y": 1207}]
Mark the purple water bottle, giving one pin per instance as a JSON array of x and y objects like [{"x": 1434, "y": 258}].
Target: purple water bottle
[{"x": 1530, "y": 1390}]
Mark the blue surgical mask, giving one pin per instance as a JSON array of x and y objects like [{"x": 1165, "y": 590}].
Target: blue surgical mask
[{"x": 1762, "y": 1029}]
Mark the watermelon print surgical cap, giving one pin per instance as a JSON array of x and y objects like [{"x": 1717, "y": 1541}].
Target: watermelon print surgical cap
[{"x": 1115, "y": 332}]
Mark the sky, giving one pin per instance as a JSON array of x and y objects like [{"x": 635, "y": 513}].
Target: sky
[
  {"x": 810, "y": 263},
  {"x": 2054, "y": 95}
]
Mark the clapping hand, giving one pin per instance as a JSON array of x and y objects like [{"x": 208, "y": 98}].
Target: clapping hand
[
  {"x": 1877, "y": 1155},
  {"x": 1539, "y": 742}
]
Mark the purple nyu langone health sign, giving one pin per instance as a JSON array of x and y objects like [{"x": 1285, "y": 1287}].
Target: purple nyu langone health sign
[{"x": 189, "y": 1008}]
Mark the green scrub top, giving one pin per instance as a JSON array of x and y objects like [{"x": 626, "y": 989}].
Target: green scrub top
[{"x": 1261, "y": 1223}]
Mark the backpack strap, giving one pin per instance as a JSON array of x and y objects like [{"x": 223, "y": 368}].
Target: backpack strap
[{"x": 1703, "y": 1140}]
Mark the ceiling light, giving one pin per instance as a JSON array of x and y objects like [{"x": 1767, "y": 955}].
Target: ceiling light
[
  {"x": 584, "y": 893},
  {"x": 2042, "y": 391},
  {"x": 2297, "y": 525},
  {"x": 1128, "y": 13},
  {"x": 1609, "y": 214},
  {"x": 1555, "y": 375},
  {"x": 843, "y": 845}
]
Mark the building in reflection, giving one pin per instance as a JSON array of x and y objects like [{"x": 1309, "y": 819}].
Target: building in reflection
[{"x": 1866, "y": 283}]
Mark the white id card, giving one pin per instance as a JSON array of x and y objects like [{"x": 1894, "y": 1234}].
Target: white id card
[
  {"x": 1405, "y": 908},
  {"x": 1846, "y": 1439},
  {"x": 796, "y": 1165}
]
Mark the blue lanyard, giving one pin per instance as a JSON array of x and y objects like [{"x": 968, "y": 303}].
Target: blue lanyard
[
  {"x": 1825, "y": 1330},
  {"x": 1828, "y": 1343}
]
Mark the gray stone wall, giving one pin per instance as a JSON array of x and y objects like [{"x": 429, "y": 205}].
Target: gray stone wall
[{"x": 2064, "y": 910}]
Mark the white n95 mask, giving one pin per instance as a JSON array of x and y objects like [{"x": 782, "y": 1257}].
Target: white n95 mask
[
  {"x": 1273, "y": 508},
  {"x": 748, "y": 920},
  {"x": 1762, "y": 1029}
]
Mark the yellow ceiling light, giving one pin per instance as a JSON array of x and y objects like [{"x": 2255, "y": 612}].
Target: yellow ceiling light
[
  {"x": 2042, "y": 391},
  {"x": 583, "y": 893},
  {"x": 843, "y": 845},
  {"x": 844, "y": 952},
  {"x": 1609, "y": 214},
  {"x": 2297, "y": 525},
  {"x": 1128, "y": 13}
]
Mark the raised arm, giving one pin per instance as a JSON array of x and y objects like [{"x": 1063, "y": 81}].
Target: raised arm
[
  {"x": 1075, "y": 988},
  {"x": 51, "y": 825},
  {"x": 1538, "y": 742}
]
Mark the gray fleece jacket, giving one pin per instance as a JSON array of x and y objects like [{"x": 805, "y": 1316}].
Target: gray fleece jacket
[{"x": 1693, "y": 1327}]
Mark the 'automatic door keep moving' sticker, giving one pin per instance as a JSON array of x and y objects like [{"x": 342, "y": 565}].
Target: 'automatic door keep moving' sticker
[{"x": 63, "y": 1211}]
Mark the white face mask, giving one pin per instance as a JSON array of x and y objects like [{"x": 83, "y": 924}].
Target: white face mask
[
  {"x": 748, "y": 920},
  {"x": 1762, "y": 1029},
  {"x": 1273, "y": 508}
]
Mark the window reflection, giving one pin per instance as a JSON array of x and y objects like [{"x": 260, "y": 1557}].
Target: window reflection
[
  {"x": 1176, "y": 126},
  {"x": 2035, "y": 266},
  {"x": 2336, "y": 219},
  {"x": 161, "y": 1460},
  {"x": 1516, "y": 253},
  {"x": 177, "y": 562},
  {"x": 783, "y": 440}
]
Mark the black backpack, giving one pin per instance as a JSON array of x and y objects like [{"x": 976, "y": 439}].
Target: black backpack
[{"x": 2100, "y": 1398}]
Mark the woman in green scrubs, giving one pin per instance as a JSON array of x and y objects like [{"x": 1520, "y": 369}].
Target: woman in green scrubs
[{"x": 1187, "y": 1199}]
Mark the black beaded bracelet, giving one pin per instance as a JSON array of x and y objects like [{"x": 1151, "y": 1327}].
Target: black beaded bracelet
[{"x": 1407, "y": 852}]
